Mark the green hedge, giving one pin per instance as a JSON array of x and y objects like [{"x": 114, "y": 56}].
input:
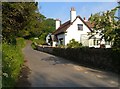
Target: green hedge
[
  {"x": 106, "y": 59},
  {"x": 0, "y": 65},
  {"x": 21, "y": 42},
  {"x": 12, "y": 61},
  {"x": 38, "y": 41}
]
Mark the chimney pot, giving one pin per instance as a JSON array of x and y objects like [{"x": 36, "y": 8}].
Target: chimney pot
[
  {"x": 72, "y": 14},
  {"x": 72, "y": 9},
  {"x": 57, "y": 19},
  {"x": 84, "y": 18}
]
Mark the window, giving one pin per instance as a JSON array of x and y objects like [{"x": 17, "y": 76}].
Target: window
[
  {"x": 80, "y": 27},
  {"x": 61, "y": 41},
  {"x": 107, "y": 43},
  {"x": 96, "y": 42}
]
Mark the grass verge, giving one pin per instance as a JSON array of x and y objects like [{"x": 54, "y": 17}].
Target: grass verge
[{"x": 12, "y": 61}]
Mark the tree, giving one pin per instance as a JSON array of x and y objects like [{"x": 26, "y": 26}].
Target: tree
[
  {"x": 108, "y": 24},
  {"x": 47, "y": 26},
  {"x": 36, "y": 25},
  {"x": 17, "y": 18},
  {"x": 22, "y": 19}
]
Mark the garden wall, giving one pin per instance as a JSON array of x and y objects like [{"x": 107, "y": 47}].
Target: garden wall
[{"x": 106, "y": 59}]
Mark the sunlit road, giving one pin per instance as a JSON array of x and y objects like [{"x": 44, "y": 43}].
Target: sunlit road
[{"x": 51, "y": 71}]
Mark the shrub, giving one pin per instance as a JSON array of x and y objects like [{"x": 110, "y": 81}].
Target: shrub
[
  {"x": 33, "y": 45},
  {"x": 20, "y": 42},
  {"x": 74, "y": 44},
  {"x": 61, "y": 46},
  {"x": 38, "y": 41},
  {"x": 105, "y": 59},
  {"x": 0, "y": 65}
]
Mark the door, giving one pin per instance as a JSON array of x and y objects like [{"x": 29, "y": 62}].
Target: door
[{"x": 84, "y": 40}]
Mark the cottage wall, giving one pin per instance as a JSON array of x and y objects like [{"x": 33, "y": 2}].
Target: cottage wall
[{"x": 74, "y": 33}]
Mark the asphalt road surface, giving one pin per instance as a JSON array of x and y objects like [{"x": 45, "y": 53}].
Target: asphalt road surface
[{"x": 50, "y": 71}]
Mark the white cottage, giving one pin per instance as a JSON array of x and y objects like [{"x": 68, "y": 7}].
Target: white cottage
[{"x": 76, "y": 28}]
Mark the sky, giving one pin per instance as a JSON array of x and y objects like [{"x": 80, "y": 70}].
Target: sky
[{"x": 61, "y": 10}]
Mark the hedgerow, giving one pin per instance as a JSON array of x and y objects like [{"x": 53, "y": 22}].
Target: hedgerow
[{"x": 12, "y": 61}]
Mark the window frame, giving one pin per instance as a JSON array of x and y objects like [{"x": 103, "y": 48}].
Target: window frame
[
  {"x": 80, "y": 27},
  {"x": 96, "y": 42}
]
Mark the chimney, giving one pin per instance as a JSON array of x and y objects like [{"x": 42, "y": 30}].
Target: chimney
[
  {"x": 58, "y": 23},
  {"x": 72, "y": 14},
  {"x": 84, "y": 19}
]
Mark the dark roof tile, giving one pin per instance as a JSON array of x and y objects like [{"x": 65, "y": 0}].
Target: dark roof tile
[
  {"x": 63, "y": 27},
  {"x": 91, "y": 25}
]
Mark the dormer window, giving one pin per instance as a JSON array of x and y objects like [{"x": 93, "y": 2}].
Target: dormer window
[{"x": 80, "y": 27}]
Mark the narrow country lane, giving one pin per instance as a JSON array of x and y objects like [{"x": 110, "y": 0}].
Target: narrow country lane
[{"x": 50, "y": 71}]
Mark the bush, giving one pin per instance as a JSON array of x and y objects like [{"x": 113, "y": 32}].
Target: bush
[
  {"x": 74, "y": 44},
  {"x": 106, "y": 59},
  {"x": 0, "y": 65},
  {"x": 61, "y": 46},
  {"x": 12, "y": 60},
  {"x": 20, "y": 42},
  {"x": 38, "y": 41},
  {"x": 34, "y": 46}
]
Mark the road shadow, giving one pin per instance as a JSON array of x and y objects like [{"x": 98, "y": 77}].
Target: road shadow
[
  {"x": 106, "y": 75},
  {"x": 55, "y": 76},
  {"x": 57, "y": 60}
]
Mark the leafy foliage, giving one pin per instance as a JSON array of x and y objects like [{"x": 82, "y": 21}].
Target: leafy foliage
[
  {"x": 33, "y": 46},
  {"x": 39, "y": 41},
  {"x": 21, "y": 42},
  {"x": 74, "y": 44},
  {"x": 12, "y": 60},
  {"x": 20, "y": 19},
  {"x": 23, "y": 20},
  {"x": 108, "y": 24},
  {"x": 17, "y": 18},
  {"x": 47, "y": 26},
  {"x": 105, "y": 59}
]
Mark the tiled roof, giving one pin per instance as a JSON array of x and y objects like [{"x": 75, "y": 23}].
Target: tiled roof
[
  {"x": 63, "y": 27},
  {"x": 91, "y": 25}
]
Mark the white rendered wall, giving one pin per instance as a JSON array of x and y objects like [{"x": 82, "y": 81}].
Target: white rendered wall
[
  {"x": 74, "y": 33},
  {"x": 54, "y": 44},
  {"x": 108, "y": 46}
]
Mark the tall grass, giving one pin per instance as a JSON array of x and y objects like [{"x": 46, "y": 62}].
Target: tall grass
[
  {"x": 0, "y": 65},
  {"x": 12, "y": 62}
]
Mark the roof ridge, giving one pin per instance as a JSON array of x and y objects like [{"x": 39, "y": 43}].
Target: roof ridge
[
  {"x": 68, "y": 24},
  {"x": 62, "y": 26}
]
